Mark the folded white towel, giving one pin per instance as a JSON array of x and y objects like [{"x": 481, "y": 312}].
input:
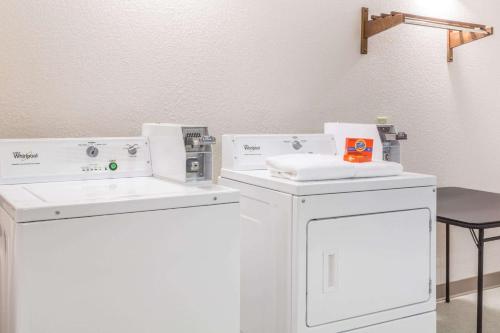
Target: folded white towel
[
  {"x": 377, "y": 169},
  {"x": 308, "y": 167}
]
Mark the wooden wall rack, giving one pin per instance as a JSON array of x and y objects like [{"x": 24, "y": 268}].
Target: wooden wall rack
[{"x": 459, "y": 33}]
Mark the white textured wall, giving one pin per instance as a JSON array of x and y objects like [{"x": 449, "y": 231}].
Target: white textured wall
[{"x": 101, "y": 68}]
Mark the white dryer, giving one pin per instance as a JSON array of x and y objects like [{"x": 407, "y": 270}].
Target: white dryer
[
  {"x": 91, "y": 242},
  {"x": 351, "y": 255}
]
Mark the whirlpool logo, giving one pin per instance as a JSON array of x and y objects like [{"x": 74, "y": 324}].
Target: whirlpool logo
[
  {"x": 251, "y": 148},
  {"x": 25, "y": 156}
]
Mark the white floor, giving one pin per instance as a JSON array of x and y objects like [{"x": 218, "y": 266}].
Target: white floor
[{"x": 459, "y": 316}]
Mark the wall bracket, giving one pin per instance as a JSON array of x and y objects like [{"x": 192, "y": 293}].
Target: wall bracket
[{"x": 459, "y": 33}]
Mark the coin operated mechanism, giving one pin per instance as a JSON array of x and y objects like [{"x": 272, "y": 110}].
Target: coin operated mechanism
[
  {"x": 198, "y": 144},
  {"x": 180, "y": 152},
  {"x": 391, "y": 142}
]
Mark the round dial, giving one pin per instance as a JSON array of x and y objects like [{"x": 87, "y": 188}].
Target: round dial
[
  {"x": 296, "y": 145},
  {"x": 132, "y": 150},
  {"x": 92, "y": 151}
]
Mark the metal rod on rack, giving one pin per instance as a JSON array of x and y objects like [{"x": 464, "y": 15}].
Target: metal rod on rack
[{"x": 443, "y": 26}]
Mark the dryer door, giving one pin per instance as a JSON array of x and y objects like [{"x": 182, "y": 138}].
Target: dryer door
[{"x": 362, "y": 265}]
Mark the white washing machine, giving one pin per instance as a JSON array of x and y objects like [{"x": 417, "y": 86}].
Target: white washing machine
[
  {"x": 90, "y": 242},
  {"x": 351, "y": 255}
]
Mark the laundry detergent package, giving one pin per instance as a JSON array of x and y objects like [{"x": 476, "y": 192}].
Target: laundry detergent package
[{"x": 358, "y": 150}]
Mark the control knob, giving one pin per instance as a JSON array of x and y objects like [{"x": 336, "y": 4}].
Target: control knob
[
  {"x": 296, "y": 145},
  {"x": 132, "y": 149},
  {"x": 92, "y": 151}
]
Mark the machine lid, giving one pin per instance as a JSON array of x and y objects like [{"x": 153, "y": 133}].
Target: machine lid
[
  {"x": 264, "y": 179},
  {"x": 62, "y": 200}
]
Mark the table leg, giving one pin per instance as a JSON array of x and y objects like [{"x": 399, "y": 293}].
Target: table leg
[
  {"x": 447, "y": 263},
  {"x": 480, "y": 281}
]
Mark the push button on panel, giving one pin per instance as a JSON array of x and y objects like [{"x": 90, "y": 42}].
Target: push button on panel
[{"x": 113, "y": 166}]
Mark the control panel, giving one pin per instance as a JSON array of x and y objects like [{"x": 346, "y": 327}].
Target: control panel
[
  {"x": 42, "y": 160},
  {"x": 249, "y": 152}
]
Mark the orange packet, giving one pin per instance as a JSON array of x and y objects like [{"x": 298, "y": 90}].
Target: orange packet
[{"x": 358, "y": 150}]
